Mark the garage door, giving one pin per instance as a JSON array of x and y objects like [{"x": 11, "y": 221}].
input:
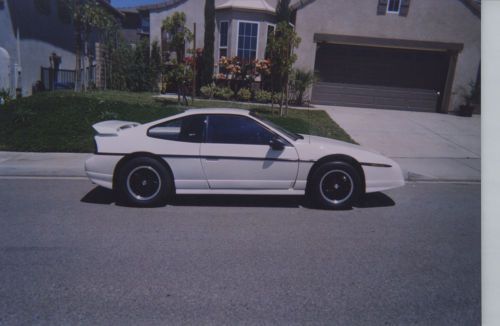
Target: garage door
[{"x": 365, "y": 76}]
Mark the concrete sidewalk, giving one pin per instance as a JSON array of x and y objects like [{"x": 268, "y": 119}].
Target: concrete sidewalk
[
  {"x": 428, "y": 146},
  {"x": 42, "y": 164}
]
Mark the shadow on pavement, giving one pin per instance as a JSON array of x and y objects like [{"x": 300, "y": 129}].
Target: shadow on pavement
[
  {"x": 103, "y": 196},
  {"x": 375, "y": 199}
]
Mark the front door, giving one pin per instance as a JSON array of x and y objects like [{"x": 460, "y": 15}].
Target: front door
[{"x": 236, "y": 155}]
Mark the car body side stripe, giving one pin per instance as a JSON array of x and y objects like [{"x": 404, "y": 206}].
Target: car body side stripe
[
  {"x": 376, "y": 165},
  {"x": 211, "y": 157}
]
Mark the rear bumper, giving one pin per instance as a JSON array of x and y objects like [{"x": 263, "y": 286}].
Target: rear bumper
[{"x": 100, "y": 169}]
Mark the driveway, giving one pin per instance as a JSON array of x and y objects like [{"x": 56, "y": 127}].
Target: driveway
[{"x": 428, "y": 146}]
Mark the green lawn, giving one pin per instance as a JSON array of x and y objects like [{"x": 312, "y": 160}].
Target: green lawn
[{"x": 61, "y": 121}]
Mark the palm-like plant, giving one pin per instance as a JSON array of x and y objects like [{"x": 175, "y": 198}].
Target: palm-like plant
[{"x": 301, "y": 83}]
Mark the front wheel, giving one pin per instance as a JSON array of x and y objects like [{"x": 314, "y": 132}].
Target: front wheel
[
  {"x": 143, "y": 181},
  {"x": 335, "y": 185}
]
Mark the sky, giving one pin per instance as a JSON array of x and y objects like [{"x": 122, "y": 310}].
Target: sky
[{"x": 131, "y": 3}]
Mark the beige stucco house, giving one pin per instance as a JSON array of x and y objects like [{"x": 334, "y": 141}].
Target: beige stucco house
[{"x": 417, "y": 55}]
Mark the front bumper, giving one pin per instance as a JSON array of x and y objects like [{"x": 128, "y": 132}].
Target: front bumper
[{"x": 383, "y": 178}]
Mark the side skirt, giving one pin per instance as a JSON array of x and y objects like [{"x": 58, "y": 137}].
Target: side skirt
[{"x": 291, "y": 192}]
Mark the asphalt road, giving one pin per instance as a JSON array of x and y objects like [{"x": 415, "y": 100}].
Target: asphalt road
[{"x": 69, "y": 255}]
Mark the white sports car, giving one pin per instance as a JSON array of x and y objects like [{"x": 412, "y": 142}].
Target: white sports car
[{"x": 232, "y": 151}]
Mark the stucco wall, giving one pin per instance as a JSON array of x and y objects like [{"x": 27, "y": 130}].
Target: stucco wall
[
  {"x": 8, "y": 43},
  {"x": 194, "y": 10},
  {"x": 195, "y": 13},
  {"x": 428, "y": 20},
  {"x": 40, "y": 36}
]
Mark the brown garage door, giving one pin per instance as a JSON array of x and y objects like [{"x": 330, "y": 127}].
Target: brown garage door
[{"x": 378, "y": 77}]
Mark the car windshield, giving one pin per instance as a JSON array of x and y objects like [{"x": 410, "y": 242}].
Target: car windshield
[{"x": 290, "y": 134}]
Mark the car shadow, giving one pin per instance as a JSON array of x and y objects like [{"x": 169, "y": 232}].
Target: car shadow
[{"x": 103, "y": 196}]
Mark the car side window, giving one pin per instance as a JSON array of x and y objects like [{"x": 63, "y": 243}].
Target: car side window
[
  {"x": 187, "y": 129},
  {"x": 234, "y": 129}
]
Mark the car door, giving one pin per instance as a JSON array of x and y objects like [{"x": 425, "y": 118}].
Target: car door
[
  {"x": 236, "y": 155},
  {"x": 178, "y": 142}
]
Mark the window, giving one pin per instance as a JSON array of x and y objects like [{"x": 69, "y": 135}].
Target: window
[
  {"x": 231, "y": 129},
  {"x": 223, "y": 37},
  {"x": 145, "y": 24},
  {"x": 247, "y": 41},
  {"x": 270, "y": 31},
  {"x": 393, "y": 6},
  {"x": 188, "y": 129}
]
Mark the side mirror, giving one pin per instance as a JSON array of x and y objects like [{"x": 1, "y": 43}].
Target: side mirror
[{"x": 276, "y": 144}]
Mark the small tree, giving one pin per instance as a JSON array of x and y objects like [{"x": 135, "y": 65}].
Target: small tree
[
  {"x": 179, "y": 36},
  {"x": 88, "y": 16},
  {"x": 155, "y": 65},
  {"x": 208, "y": 52},
  {"x": 178, "y": 33},
  {"x": 281, "y": 45},
  {"x": 283, "y": 11}
]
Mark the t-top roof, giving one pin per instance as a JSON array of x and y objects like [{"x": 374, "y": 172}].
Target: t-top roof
[{"x": 252, "y": 5}]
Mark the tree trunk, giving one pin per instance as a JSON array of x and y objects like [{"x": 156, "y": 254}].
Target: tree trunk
[
  {"x": 208, "y": 44},
  {"x": 78, "y": 58},
  {"x": 287, "y": 89}
]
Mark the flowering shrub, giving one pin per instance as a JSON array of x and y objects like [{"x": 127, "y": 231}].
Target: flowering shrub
[{"x": 263, "y": 67}]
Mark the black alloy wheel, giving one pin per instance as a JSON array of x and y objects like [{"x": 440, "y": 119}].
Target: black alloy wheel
[
  {"x": 143, "y": 181},
  {"x": 335, "y": 185}
]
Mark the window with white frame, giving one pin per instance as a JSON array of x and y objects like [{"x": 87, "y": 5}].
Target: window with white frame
[
  {"x": 223, "y": 37},
  {"x": 270, "y": 31},
  {"x": 247, "y": 41},
  {"x": 393, "y": 6}
]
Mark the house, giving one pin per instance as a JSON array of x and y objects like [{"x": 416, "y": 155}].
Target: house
[
  {"x": 418, "y": 55},
  {"x": 36, "y": 34},
  {"x": 135, "y": 24}
]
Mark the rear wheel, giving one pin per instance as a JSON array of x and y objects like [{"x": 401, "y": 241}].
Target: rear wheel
[
  {"x": 143, "y": 181},
  {"x": 335, "y": 185}
]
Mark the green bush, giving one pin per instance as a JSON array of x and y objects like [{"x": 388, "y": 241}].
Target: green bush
[
  {"x": 208, "y": 91},
  {"x": 276, "y": 98},
  {"x": 224, "y": 93},
  {"x": 263, "y": 96},
  {"x": 302, "y": 80},
  {"x": 5, "y": 96},
  {"x": 244, "y": 94}
]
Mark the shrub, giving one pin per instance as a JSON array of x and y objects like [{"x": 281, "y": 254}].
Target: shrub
[
  {"x": 24, "y": 115},
  {"x": 224, "y": 93},
  {"x": 5, "y": 96},
  {"x": 208, "y": 90},
  {"x": 276, "y": 98},
  {"x": 262, "y": 96},
  {"x": 108, "y": 115},
  {"x": 244, "y": 94},
  {"x": 302, "y": 81}
]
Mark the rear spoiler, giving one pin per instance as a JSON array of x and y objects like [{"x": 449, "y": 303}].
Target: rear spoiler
[{"x": 112, "y": 127}]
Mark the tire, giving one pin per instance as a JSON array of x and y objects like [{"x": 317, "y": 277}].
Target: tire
[
  {"x": 143, "y": 181},
  {"x": 335, "y": 185}
]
